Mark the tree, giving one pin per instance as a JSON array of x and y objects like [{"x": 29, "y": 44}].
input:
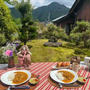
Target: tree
[
  {"x": 14, "y": 2},
  {"x": 28, "y": 30},
  {"x": 81, "y": 33},
  {"x": 7, "y": 26},
  {"x": 52, "y": 32},
  {"x": 6, "y": 0},
  {"x": 25, "y": 8}
]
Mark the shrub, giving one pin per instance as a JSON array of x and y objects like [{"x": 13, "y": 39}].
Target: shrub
[
  {"x": 2, "y": 39},
  {"x": 76, "y": 38},
  {"x": 86, "y": 38},
  {"x": 2, "y": 59},
  {"x": 81, "y": 26},
  {"x": 63, "y": 35},
  {"x": 81, "y": 33},
  {"x": 56, "y": 32},
  {"x": 87, "y": 45},
  {"x": 52, "y": 30},
  {"x": 79, "y": 51},
  {"x": 10, "y": 47}
]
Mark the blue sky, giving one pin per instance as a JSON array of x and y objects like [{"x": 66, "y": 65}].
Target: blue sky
[{"x": 39, "y": 3}]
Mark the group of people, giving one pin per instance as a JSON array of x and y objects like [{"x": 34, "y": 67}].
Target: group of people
[{"x": 24, "y": 57}]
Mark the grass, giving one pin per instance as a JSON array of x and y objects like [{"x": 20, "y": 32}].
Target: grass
[{"x": 41, "y": 53}]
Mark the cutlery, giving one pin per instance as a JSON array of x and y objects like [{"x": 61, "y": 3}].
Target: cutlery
[
  {"x": 20, "y": 87},
  {"x": 60, "y": 85},
  {"x": 71, "y": 85}
]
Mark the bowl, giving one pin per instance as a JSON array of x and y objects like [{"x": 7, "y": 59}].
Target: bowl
[
  {"x": 81, "y": 80},
  {"x": 33, "y": 81}
]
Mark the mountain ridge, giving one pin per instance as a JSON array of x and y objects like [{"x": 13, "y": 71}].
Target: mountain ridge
[
  {"x": 15, "y": 13},
  {"x": 51, "y": 11}
]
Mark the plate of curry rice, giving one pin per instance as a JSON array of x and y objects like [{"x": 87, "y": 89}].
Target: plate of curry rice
[
  {"x": 64, "y": 76},
  {"x": 15, "y": 77}
]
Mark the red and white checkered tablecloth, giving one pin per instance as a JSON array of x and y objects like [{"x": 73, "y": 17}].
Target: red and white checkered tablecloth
[{"x": 43, "y": 69}]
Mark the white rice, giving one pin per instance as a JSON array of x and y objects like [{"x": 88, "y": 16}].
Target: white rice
[
  {"x": 59, "y": 75},
  {"x": 11, "y": 76}
]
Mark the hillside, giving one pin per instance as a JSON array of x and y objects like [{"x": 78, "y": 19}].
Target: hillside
[
  {"x": 15, "y": 13},
  {"x": 50, "y": 12}
]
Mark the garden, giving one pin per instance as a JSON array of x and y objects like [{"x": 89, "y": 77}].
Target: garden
[
  {"x": 38, "y": 55},
  {"x": 47, "y": 43}
]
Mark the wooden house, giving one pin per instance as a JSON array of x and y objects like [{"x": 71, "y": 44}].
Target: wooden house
[{"x": 79, "y": 11}]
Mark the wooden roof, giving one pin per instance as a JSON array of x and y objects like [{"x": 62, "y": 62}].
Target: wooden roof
[
  {"x": 72, "y": 11},
  {"x": 76, "y": 6}
]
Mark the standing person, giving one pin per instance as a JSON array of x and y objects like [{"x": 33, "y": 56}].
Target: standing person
[{"x": 24, "y": 57}]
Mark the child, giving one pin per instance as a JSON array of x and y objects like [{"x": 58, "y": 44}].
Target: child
[{"x": 24, "y": 57}]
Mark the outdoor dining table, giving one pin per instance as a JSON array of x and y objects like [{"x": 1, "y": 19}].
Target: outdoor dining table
[{"x": 43, "y": 69}]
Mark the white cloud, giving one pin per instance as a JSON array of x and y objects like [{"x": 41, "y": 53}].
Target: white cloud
[
  {"x": 38, "y": 3},
  {"x": 67, "y": 3}
]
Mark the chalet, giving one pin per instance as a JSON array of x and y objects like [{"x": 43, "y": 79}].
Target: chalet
[{"x": 79, "y": 11}]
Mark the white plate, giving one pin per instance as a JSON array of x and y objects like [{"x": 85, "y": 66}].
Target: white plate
[
  {"x": 5, "y": 80},
  {"x": 54, "y": 77},
  {"x": 54, "y": 67}
]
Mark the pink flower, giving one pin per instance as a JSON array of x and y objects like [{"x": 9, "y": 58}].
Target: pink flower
[{"x": 9, "y": 53}]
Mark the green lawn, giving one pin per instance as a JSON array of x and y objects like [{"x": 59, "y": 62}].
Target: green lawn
[
  {"x": 52, "y": 54},
  {"x": 41, "y": 53}
]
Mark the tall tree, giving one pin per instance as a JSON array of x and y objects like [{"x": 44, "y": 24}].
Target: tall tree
[
  {"x": 28, "y": 30},
  {"x": 7, "y": 27},
  {"x": 25, "y": 8}
]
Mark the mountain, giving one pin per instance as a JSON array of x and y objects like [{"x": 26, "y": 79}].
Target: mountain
[
  {"x": 15, "y": 13},
  {"x": 50, "y": 12}
]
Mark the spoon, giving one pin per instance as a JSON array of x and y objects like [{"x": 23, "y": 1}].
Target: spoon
[{"x": 60, "y": 85}]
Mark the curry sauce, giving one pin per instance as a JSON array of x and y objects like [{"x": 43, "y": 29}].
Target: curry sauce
[
  {"x": 20, "y": 77},
  {"x": 68, "y": 76}
]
